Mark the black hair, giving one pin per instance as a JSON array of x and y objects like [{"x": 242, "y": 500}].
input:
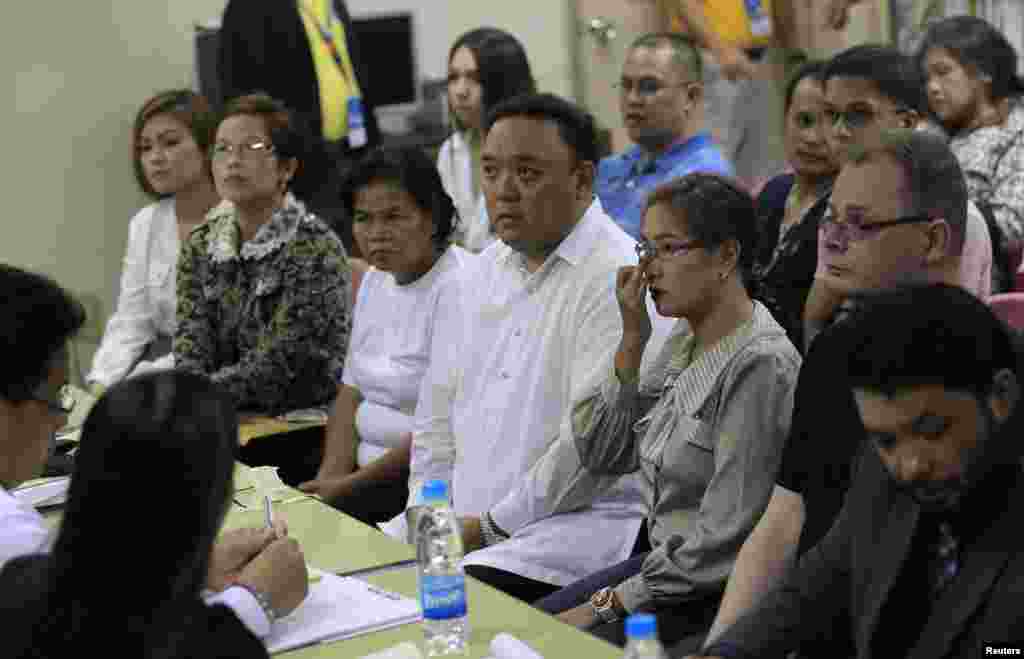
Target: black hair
[
  {"x": 715, "y": 210},
  {"x": 501, "y": 62},
  {"x": 40, "y": 318},
  {"x": 171, "y": 434},
  {"x": 919, "y": 335},
  {"x": 684, "y": 50},
  {"x": 813, "y": 70},
  {"x": 410, "y": 169},
  {"x": 896, "y": 75},
  {"x": 575, "y": 125},
  {"x": 978, "y": 47}
]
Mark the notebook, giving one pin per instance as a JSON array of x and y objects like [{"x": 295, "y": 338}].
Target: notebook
[{"x": 337, "y": 608}]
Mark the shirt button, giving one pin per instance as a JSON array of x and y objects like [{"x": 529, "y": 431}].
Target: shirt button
[
  {"x": 518, "y": 332},
  {"x": 505, "y": 375}
]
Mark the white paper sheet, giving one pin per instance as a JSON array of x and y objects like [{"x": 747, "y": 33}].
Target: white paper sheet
[
  {"x": 337, "y": 608},
  {"x": 50, "y": 492}
]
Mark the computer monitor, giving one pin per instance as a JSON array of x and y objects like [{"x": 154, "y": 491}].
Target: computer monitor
[{"x": 387, "y": 49}]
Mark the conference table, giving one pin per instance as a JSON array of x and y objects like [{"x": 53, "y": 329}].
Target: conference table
[{"x": 334, "y": 542}]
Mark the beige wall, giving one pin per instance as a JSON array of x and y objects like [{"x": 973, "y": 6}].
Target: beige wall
[{"x": 78, "y": 73}]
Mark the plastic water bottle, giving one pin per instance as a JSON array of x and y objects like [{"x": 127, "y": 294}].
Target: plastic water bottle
[
  {"x": 642, "y": 637},
  {"x": 442, "y": 581}
]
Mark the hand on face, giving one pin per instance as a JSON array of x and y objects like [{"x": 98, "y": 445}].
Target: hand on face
[{"x": 631, "y": 292}]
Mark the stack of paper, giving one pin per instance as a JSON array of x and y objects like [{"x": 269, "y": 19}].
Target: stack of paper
[
  {"x": 44, "y": 492},
  {"x": 338, "y": 608}
]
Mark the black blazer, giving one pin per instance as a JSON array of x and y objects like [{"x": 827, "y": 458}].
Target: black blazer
[
  {"x": 211, "y": 632},
  {"x": 849, "y": 576},
  {"x": 784, "y": 287},
  {"x": 263, "y": 47}
]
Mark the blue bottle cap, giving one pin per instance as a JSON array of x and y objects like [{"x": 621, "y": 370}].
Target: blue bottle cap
[
  {"x": 642, "y": 626},
  {"x": 435, "y": 490}
]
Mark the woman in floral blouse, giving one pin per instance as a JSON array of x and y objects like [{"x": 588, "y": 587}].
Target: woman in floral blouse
[
  {"x": 973, "y": 89},
  {"x": 263, "y": 285}
]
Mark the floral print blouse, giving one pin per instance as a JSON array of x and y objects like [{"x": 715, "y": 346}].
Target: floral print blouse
[
  {"x": 268, "y": 319},
  {"x": 992, "y": 158}
]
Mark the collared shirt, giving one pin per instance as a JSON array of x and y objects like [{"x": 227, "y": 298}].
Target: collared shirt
[
  {"x": 267, "y": 319},
  {"x": 624, "y": 180},
  {"x": 23, "y": 531},
  {"x": 524, "y": 345},
  {"x": 147, "y": 301},
  {"x": 457, "y": 162},
  {"x": 705, "y": 432}
]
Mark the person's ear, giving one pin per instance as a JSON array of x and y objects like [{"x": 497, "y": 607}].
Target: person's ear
[
  {"x": 729, "y": 256},
  {"x": 695, "y": 93},
  {"x": 939, "y": 236},
  {"x": 1004, "y": 396},
  {"x": 910, "y": 120},
  {"x": 585, "y": 173}
]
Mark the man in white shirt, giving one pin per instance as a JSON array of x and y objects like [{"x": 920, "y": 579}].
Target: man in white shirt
[
  {"x": 39, "y": 320},
  {"x": 536, "y": 324}
]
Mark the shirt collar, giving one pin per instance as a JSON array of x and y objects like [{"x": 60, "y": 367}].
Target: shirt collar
[
  {"x": 226, "y": 234},
  {"x": 645, "y": 164},
  {"x": 575, "y": 247}
]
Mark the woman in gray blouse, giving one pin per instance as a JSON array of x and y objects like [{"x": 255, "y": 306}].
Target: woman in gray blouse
[{"x": 704, "y": 425}]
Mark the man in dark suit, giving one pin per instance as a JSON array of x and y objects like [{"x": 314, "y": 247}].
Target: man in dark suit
[
  {"x": 304, "y": 53},
  {"x": 925, "y": 560}
]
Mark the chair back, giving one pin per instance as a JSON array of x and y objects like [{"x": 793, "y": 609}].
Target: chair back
[{"x": 1010, "y": 308}]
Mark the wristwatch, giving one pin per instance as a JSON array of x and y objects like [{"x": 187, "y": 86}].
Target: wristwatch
[
  {"x": 490, "y": 532},
  {"x": 603, "y": 602},
  {"x": 263, "y": 600}
]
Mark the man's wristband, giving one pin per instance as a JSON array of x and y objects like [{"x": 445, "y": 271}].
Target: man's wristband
[
  {"x": 491, "y": 532},
  {"x": 262, "y": 599}
]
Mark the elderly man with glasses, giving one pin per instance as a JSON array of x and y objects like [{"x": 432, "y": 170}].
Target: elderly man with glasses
[{"x": 660, "y": 95}]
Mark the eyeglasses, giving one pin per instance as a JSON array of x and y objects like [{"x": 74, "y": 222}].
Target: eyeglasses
[
  {"x": 857, "y": 231},
  {"x": 246, "y": 150},
  {"x": 855, "y": 119},
  {"x": 648, "y": 251},
  {"x": 645, "y": 87},
  {"x": 61, "y": 403}
]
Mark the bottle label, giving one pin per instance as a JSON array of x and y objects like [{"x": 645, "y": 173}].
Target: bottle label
[{"x": 443, "y": 597}]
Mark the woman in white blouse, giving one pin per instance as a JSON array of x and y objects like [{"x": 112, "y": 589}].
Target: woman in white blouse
[
  {"x": 402, "y": 221},
  {"x": 170, "y": 137},
  {"x": 485, "y": 67}
]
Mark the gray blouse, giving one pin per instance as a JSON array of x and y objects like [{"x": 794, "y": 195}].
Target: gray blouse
[{"x": 707, "y": 436}]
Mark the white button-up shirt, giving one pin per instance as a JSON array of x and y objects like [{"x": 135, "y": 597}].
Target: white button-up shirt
[
  {"x": 524, "y": 347},
  {"x": 146, "y": 304},
  {"x": 23, "y": 531}
]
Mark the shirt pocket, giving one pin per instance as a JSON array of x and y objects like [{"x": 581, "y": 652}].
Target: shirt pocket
[{"x": 689, "y": 454}]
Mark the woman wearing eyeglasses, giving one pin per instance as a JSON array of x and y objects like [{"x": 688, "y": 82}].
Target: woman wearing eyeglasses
[
  {"x": 974, "y": 90},
  {"x": 171, "y": 134},
  {"x": 263, "y": 285},
  {"x": 703, "y": 425},
  {"x": 791, "y": 205}
]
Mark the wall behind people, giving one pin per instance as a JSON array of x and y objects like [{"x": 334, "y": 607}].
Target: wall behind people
[{"x": 76, "y": 74}]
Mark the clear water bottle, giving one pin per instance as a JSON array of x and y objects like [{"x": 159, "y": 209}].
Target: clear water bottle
[
  {"x": 642, "y": 638},
  {"x": 442, "y": 581}
]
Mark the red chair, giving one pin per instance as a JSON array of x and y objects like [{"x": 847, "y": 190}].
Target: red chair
[{"x": 1010, "y": 308}]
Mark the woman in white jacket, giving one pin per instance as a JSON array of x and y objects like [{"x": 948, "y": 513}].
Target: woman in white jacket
[
  {"x": 170, "y": 138},
  {"x": 485, "y": 67}
]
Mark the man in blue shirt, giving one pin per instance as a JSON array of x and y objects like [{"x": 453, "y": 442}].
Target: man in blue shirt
[{"x": 661, "y": 93}]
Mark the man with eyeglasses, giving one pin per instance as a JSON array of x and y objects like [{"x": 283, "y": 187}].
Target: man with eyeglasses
[
  {"x": 39, "y": 319},
  {"x": 660, "y": 95},
  {"x": 897, "y": 214}
]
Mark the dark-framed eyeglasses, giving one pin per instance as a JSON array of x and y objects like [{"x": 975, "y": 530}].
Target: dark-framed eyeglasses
[
  {"x": 855, "y": 119},
  {"x": 246, "y": 150},
  {"x": 61, "y": 402},
  {"x": 645, "y": 87},
  {"x": 857, "y": 231},
  {"x": 648, "y": 251}
]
